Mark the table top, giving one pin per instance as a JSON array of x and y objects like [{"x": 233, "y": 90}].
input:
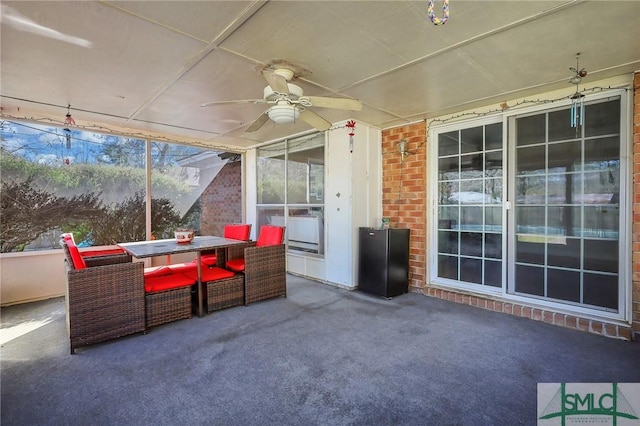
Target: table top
[{"x": 142, "y": 249}]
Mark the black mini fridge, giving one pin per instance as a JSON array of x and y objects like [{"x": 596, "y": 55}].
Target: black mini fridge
[{"x": 383, "y": 264}]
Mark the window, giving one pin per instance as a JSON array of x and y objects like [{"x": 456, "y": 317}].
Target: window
[
  {"x": 291, "y": 190},
  {"x": 94, "y": 185}
]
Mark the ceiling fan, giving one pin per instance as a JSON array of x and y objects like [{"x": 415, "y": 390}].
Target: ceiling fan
[{"x": 289, "y": 103}]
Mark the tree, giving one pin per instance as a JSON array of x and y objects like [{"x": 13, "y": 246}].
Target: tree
[
  {"x": 26, "y": 212},
  {"x": 125, "y": 221}
]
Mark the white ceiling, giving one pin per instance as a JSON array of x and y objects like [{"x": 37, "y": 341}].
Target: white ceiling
[{"x": 149, "y": 65}]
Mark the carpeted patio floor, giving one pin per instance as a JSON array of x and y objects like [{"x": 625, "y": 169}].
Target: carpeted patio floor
[{"x": 321, "y": 356}]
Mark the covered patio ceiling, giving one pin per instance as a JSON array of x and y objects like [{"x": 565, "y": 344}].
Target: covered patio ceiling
[{"x": 145, "y": 67}]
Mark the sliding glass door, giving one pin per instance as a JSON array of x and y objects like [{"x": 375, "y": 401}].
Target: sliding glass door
[
  {"x": 527, "y": 206},
  {"x": 566, "y": 217}
]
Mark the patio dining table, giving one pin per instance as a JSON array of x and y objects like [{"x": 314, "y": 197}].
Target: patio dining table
[{"x": 145, "y": 249}]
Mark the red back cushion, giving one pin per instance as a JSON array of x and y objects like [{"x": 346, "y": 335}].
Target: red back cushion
[
  {"x": 67, "y": 236},
  {"x": 105, "y": 252},
  {"x": 237, "y": 231},
  {"x": 270, "y": 235},
  {"x": 76, "y": 258}
]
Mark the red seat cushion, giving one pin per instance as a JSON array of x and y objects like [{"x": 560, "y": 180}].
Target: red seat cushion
[
  {"x": 237, "y": 231},
  {"x": 177, "y": 268},
  {"x": 236, "y": 265},
  {"x": 270, "y": 235},
  {"x": 157, "y": 271},
  {"x": 210, "y": 274},
  {"x": 166, "y": 282},
  {"x": 76, "y": 258}
]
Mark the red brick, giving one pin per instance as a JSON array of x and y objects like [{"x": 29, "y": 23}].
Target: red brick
[
  {"x": 558, "y": 319},
  {"x": 517, "y": 310},
  {"x": 221, "y": 200},
  {"x": 583, "y": 324},
  {"x": 571, "y": 321},
  {"x": 624, "y": 332},
  {"x": 596, "y": 327},
  {"x": 536, "y": 314},
  {"x": 610, "y": 330}
]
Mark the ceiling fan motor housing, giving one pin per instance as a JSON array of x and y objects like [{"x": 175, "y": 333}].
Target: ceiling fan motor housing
[{"x": 295, "y": 92}]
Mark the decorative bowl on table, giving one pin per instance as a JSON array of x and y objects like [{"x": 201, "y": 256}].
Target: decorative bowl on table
[{"x": 184, "y": 235}]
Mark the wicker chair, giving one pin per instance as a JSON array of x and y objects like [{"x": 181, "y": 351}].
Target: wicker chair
[
  {"x": 263, "y": 265},
  {"x": 103, "y": 302},
  {"x": 236, "y": 231},
  {"x": 167, "y": 298},
  {"x": 94, "y": 257}
]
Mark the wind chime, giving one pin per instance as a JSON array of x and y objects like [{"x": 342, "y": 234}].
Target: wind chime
[
  {"x": 68, "y": 121},
  {"x": 351, "y": 127},
  {"x": 577, "y": 99},
  {"x": 432, "y": 15}
]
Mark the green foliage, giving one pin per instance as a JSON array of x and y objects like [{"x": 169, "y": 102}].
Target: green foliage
[
  {"x": 125, "y": 221},
  {"x": 85, "y": 199},
  {"x": 27, "y": 212}
]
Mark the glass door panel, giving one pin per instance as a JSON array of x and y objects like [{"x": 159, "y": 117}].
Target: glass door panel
[
  {"x": 470, "y": 194},
  {"x": 566, "y": 210}
]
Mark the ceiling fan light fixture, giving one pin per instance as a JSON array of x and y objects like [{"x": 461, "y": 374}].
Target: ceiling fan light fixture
[{"x": 283, "y": 114}]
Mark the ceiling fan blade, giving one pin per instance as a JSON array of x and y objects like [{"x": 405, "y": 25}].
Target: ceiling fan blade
[
  {"x": 277, "y": 82},
  {"x": 315, "y": 120},
  {"x": 260, "y": 121},
  {"x": 337, "y": 103},
  {"x": 241, "y": 101}
]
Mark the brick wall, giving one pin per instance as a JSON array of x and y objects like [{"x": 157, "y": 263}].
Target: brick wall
[
  {"x": 404, "y": 192},
  {"x": 404, "y": 201},
  {"x": 222, "y": 200}
]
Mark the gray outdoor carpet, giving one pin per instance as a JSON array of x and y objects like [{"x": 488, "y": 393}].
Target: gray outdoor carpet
[{"x": 321, "y": 356}]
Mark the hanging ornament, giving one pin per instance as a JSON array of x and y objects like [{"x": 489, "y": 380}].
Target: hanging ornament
[
  {"x": 67, "y": 135},
  {"x": 68, "y": 121},
  {"x": 577, "y": 110},
  {"x": 445, "y": 13},
  {"x": 577, "y": 99},
  {"x": 351, "y": 126}
]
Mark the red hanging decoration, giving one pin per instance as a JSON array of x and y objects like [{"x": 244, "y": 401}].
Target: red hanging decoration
[{"x": 351, "y": 126}]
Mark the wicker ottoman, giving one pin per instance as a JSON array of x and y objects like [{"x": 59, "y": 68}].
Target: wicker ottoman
[
  {"x": 225, "y": 293},
  {"x": 167, "y": 306}
]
